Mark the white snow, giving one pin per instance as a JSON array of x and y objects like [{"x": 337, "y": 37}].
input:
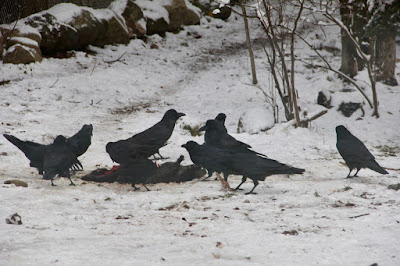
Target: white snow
[
  {"x": 195, "y": 222},
  {"x": 25, "y": 41},
  {"x": 256, "y": 119},
  {"x": 153, "y": 9},
  {"x": 65, "y": 12}
]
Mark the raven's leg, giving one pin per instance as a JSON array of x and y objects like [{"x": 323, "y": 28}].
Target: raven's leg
[
  {"x": 358, "y": 169},
  {"x": 161, "y": 157},
  {"x": 146, "y": 187},
  {"x": 251, "y": 191},
  {"x": 72, "y": 183},
  {"x": 134, "y": 187},
  {"x": 243, "y": 180},
  {"x": 226, "y": 177},
  {"x": 52, "y": 183},
  {"x": 157, "y": 158},
  {"x": 349, "y": 176}
]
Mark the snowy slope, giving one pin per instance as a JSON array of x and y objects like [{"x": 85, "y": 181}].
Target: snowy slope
[{"x": 196, "y": 222}]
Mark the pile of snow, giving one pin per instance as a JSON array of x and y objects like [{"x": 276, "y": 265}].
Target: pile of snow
[{"x": 255, "y": 120}]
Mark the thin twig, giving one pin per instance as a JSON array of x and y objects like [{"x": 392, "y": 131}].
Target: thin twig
[
  {"x": 94, "y": 65},
  {"x": 15, "y": 25},
  {"x": 357, "y": 216},
  {"x": 113, "y": 61},
  {"x": 54, "y": 83}
]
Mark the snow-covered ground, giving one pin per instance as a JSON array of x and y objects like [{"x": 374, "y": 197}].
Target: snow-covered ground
[{"x": 201, "y": 71}]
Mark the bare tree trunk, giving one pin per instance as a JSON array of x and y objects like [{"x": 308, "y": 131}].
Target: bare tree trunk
[
  {"x": 371, "y": 67},
  {"x": 349, "y": 64},
  {"x": 293, "y": 59},
  {"x": 385, "y": 58},
  {"x": 249, "y": 46}
]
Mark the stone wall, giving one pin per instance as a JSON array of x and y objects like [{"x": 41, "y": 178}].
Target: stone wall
[{"x": 11, "y": 10}]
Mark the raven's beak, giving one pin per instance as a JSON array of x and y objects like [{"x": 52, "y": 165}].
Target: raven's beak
[
  {"x": 203, "y": 128},
  {"x": 183, "y": 145},
  {"x": 181, "y": 114}
]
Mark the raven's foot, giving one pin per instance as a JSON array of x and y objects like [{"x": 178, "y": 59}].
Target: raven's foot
[
  {"x": 349, "y": 176},
  {"x": 52, "y": 184},
  {"x": 251, "y": 192},
  {"x": 72, "y": 184},
  {"x": 238, "y": 189},
  {"x": 135, "y": 188}
]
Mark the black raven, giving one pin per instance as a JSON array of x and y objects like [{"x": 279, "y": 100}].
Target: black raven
[
  {"x": 236, "y": 161},
  {"x": 79, "y": 143},
  {"x": 58, "y": 159},
  {"x": 136, "y": 171},
  {"x": 217, "y": 135},
  {"x": 32, "y": 150},
  {"x": 354, "y": 152},
  {"x": 146, "y": 143},
  {"x": 221, "y": 118}
]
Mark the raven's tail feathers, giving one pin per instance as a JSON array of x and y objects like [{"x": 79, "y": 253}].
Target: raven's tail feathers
[
  {"x": 17, "y": 142},
  {"x": 291, "y": 170},
  {"x": 373, "y": 165},
  {"x": 294, "y": 170}
]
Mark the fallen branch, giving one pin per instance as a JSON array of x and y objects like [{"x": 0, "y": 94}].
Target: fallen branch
[
  {"x": 304, "y": 122},
  {"x": 357, "y": 216},
  {"x": 113, "y": 61}
]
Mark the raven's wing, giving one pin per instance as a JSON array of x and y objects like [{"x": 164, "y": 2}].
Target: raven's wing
[
  {"x": 352, "y": 149},
  {"x": 81, "y": 141},
  {"x": 155, "y": 135},
  {"x": 124, "y": 150}
]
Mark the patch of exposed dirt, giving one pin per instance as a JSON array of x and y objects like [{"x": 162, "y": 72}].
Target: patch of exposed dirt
[{"x": 127, "y": 110}]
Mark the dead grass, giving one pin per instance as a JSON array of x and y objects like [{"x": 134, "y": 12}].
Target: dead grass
[{"x": 127, "y": 110}]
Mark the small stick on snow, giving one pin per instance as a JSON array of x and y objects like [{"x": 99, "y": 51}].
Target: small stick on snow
[
  {"x": 113, "y": 61},
  {"x": 224, "y": 183},
  {"x": 54, "y": 83},
  {"x": 94, "y": 65},
  {"x": 357, "y": 216}
]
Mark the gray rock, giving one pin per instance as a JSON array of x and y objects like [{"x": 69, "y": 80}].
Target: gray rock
[
  {"x": 348, "y": 108},
  {"x": 56, "y": 36},
  {"x": 159, "y": 26},
  {"x": 208, "y": 6},
  {"x": 115, "y": 31},
  {"x": 180, "y": 14},
  {"x": 20, "y": 54},
  {"x": 87, "y": 26},
  {"x": 132, "y": 14},
  {"x": 16, "y": 182}
]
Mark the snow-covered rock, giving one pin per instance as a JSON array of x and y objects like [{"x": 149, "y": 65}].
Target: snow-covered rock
[{"x": 255, "y": 120}]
